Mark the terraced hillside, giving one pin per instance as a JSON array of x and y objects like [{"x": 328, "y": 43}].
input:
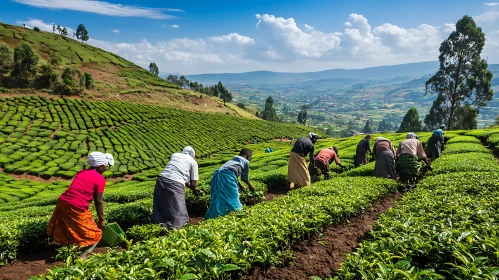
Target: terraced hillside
[{"x": 115, "y": 78}]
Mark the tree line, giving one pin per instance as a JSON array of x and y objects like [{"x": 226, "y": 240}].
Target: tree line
[{"x": 22, "y": 63}]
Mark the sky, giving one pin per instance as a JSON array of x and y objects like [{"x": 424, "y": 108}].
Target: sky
[{"x": 222, "y": 36}]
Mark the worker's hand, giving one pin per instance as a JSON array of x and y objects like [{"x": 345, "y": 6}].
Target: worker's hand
[
  {"x": 101, "y": 224},
  {"x": 198, "y": 192}
]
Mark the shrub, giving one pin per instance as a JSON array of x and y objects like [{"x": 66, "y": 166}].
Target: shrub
[{"x": 36, "y": 29}]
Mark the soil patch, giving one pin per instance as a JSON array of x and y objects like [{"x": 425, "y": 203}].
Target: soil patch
[
  {"x": 274, "y": 193},
  {"x": 322, "y": 255},
  {"x": 36, "y": 263}
]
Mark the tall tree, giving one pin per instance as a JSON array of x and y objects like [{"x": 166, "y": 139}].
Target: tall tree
[
  {"x": 225, "y": 94},
  {"x": 302, "y": 116},
  {"x": 184, "y": 81},
  {"x": 463, "y": 77},
  {"x": 153, "y": 68},
  {"x": 82, "y": 33},
  {"x": 64, "y": 31},
  {"x": 5, "y": 55},
  {"x": 59, "y": 29},
  {"x": 410, "y": 122},
  {"x": 25, "y": 64},
  {"x": 466, "y": 117},
  {"x": 367, "y": 127},
  {"x": 269, "y": 112}
]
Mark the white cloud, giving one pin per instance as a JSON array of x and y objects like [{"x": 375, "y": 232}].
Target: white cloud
[
  {"x": 233, "y": 38},
  {"x": 285, "y": 36},
  {"x": 101, "y": 7},
  {"x": 491, "y": 4},
  {"x": 175, "y": 26},
  {"x": 115, "y": 31}
]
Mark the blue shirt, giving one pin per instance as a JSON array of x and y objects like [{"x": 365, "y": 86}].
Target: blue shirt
[{"x": 240, "y": 165}]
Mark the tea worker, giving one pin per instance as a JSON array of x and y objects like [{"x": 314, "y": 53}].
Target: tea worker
[
  {"x": 324, "y": 158},
  {"x": 385, "y": 159},
  {"x": 363, "y": 148},
  {"x": 435, "y": 144},
  {"x": 298, "y": 173},
  {"x": 72, "y": 222},
  {"x": 225, "y": 186},
  {"x": 169, "y": 207},
  {"x": 408, "y": 154}
]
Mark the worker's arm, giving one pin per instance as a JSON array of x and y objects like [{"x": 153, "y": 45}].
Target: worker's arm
[
  {"x": 241, "y": 187},
  {"x": 99, "y": 207},
  {"x": 312, "y": 160},
  {"x": 251, "y": 187}
]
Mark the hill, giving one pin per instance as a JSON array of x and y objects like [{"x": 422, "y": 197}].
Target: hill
[{"x": 115, "y": 78}]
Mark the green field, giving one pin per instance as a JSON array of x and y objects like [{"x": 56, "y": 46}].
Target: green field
[{"x": 260, "y": 235}]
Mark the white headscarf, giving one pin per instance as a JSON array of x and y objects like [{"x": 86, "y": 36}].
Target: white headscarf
[
  {"x": 312, "y": 135},
  {"x": 96, "y": 159},
  {"x": 189, "y": 151},
  {"x": 410, "y": 135}
]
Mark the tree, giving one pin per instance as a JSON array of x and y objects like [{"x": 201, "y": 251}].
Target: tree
[
  {"x": 64, "y": 31},
  {"x": 25, "y": 61},
  {"x": 241, "y": 105},
  {"x": 269, "y": 112},
  {"x": 285, "y": 110},
  {"x": 367, "y": 128},
  {"x": 68, "y": 76},
  {"x": 153, "y": 68},
  {"x": 49, "y": 77},
  {"x": 225, "y": 94},
  {"x": 410, "y": 122},
  {"x": 59, "y": 29},
  {"x": 89, "y": 82},
  {"x": 462, "y": 77},
  {"x": 5, "y": 55},
  {"x": 302, "y": 116},
  {"x": 173, "y": 79},
  {"x": 82, "y": 33},
  {"x": 184, "y": 81},
  {"x": 36, "y": 29},
  {"x": 466, "y": 117},
  {"x": 384, "y": 126}
]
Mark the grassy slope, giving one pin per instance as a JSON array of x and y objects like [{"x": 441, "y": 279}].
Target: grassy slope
[{"x": 115, "y": 77}]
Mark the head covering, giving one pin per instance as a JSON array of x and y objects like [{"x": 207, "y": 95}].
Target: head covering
[
  {"x": 312, "y": 135},
  {"x": 381, "y": 139},
  {"x": 368, "y": 136},
  {"x": 189, "y": 151},
  {"x": 96, "y": 159},
  {"x": 438, "y": 133},
  {"x": 442, "y": 126},
  {"x": 410, "y": 135}
]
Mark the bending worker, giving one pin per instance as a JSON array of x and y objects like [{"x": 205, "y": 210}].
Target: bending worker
[
  {"x": 408, "y": 154},
  {"x": 385, "y": 159},
  {"x": 435, "y": 144},
  {"x": 298, "y": 173},
  {"x": 325, "y": 158},
  {"x": 225, "y": 186},
  {"x": 363, "y": 148},
  {"x": 169, "y": 208},
  {"x": 72, "y": 222}
]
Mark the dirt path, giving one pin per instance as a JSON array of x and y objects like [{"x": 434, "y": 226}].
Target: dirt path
[{"x": 322, "y": 255}]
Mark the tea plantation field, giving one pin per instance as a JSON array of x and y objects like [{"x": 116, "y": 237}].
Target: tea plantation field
[{"x": 444, "y": 228}]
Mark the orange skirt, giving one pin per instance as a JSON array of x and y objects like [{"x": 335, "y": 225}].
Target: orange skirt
[{"x": 72, "y": 225}]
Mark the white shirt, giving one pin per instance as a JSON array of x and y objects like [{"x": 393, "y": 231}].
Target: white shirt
[{"x": 181, "y": 168}]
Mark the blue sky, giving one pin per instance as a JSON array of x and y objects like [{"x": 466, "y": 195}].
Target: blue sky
[{"x": 232, "y": 36}]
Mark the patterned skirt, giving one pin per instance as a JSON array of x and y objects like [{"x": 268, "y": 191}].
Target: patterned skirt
[
  {"x": 407, "y": 164},
  {"x": 72, "y": 225}
]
